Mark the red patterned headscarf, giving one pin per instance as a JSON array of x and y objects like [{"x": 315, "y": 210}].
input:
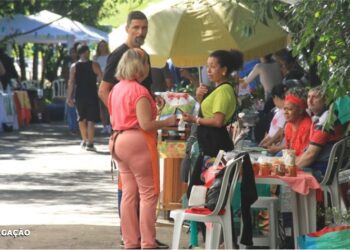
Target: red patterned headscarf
[{"x": 296, "y": 101}]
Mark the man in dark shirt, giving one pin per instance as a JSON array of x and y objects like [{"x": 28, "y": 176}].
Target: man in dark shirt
[
  {"x": 136, "y": 27},
  {"x": 84, "y": 74},
  {"x": 161, "y": 78}
]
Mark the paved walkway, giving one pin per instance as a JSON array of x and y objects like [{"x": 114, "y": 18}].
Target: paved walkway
[{"x": 63, "y": 194}]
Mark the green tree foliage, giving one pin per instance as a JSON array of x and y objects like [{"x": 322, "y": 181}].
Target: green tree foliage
[
  {"x": 111, "y": 7},
  {"x": 86, "y": 11},
  {"x": 320, "y": 31}
]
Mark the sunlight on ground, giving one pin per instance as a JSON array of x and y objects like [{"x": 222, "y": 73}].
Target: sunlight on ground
[{"x": 39, "y": 215}]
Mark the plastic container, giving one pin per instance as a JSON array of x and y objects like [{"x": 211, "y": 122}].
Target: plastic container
[{"x": 292, "y": 171}]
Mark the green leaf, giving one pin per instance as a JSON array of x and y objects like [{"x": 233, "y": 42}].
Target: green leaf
[{"x": 331, "y": 118}]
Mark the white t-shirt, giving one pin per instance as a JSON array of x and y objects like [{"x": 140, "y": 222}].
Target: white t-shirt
[
  {"x": 102, "y": 61},
  {"x": 277, "y": 122},
  {"x": 270, "y": 76}
]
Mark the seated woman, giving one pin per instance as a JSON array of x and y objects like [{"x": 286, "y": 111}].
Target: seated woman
[
  {"x": 297, "y": 129},
  {"x": 275, "y": 134}
]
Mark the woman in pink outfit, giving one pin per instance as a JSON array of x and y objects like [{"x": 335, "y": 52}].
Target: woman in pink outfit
[{"x": 133, "y": 144}]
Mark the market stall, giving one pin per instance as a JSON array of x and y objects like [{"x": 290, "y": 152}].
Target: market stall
[
  {"x": 172, "y": 145},
  {"x": 8, "y": 116}
]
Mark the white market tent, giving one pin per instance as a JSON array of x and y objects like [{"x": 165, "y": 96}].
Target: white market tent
[
  {"x": 81, "y": 31},
  {"x": 18, "y": 24}
]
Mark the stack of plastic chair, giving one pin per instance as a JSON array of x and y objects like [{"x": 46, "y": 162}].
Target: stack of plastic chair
[
  {"x": 216, "y": 217},
  {"x": 271, "y": 204}
]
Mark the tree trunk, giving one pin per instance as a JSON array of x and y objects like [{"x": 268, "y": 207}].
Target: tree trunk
[
  {"x": 43, "y": 63},
  {"x": 35, "y": 62},
  {"x": 22, "y": 63}
]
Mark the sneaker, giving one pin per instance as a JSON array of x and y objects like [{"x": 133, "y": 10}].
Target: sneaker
[
  {"x": 90, "y": 147},
  {"x": 161, "y": 245},
  {"x": 82, "y": 144},
  {"x": 122, "y": 243}
]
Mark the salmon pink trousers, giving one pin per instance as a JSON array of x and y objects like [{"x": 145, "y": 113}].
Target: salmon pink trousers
[{"x": 136, "y": 153}]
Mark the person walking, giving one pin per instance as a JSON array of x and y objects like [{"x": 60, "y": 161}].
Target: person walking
[
  {"x": 2, "y": 69},
  {"x": 133, "y": 144},
  {"x": 102, "y": 52},
  {"x": 9, "y": 72},
  {"x": 85, "y": 74},
  {"x": 72, "y": 118},
  {"x": 2, "y": 72}
]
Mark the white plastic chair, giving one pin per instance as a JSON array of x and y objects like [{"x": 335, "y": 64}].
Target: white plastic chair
[
  {"x": 59, "y": 88},
  {"x": 344, "y": 172},
  {"x": 224, "y": 221},
  {"x": 31, "y": 84},
  {"x": 330, "y": 183}
]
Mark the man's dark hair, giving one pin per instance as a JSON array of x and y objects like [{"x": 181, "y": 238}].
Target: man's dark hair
[
  {"x": 136, "y": 14},
  {"x": 75, "y": 46},
  {"x": 279, "y": 91},
  {"x": 82, "y": 48},
  {"x": 232, "y": 60},
  {"x": 268, "y": 58}
]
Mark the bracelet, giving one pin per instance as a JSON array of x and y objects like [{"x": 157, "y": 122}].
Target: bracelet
[{"x": 197, "y": 120}]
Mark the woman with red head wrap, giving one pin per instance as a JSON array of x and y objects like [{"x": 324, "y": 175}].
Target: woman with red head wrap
[{"x": 297, "y": 129}]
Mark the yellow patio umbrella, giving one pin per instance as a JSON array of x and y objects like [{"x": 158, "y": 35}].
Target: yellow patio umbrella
[{"x": 188, "y": 30}]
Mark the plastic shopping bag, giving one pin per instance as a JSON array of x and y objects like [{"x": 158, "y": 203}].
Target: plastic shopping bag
[
  {"x": 171, "y": 101},
  {"x": 337, "y": 237}
]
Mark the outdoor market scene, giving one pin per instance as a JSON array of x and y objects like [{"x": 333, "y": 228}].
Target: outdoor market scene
[{"x": 174, "y": 124}]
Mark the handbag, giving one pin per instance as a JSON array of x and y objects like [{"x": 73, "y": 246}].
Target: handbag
[{"x": 214, "y": 191}]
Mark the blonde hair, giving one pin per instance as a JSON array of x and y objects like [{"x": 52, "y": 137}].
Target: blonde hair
[{"x": 132, "y": 65}]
